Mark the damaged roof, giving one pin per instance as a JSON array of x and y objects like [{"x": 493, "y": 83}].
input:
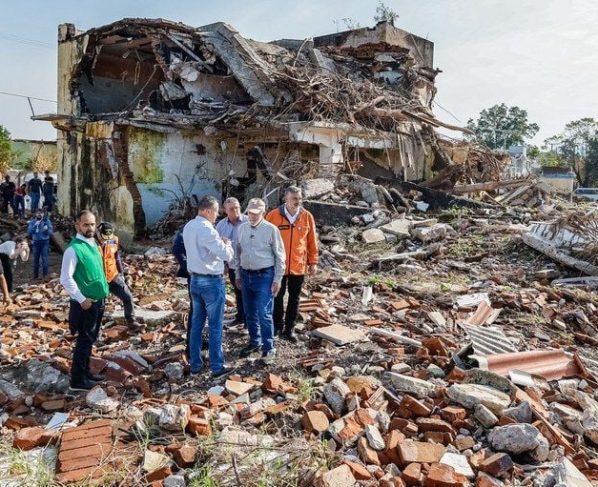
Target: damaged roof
[{"x": 372, "y": 77}]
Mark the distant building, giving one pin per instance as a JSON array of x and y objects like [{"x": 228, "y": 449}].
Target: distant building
[{"x": 560, "y": 178}]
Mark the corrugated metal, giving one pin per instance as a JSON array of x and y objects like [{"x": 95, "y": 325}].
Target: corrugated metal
[
  {"x": 549, "y": 364},
  {"x": 488, "y": 341}
]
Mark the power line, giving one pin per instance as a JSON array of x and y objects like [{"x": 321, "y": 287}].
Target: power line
[
  {"x": 27, "y": 97},
  {"x": 447, "y": 111},
  {"x": 25, "y": 41}
]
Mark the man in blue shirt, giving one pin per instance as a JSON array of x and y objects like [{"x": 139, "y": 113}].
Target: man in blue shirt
[
  {"x": 227, "y": 228},
  {"x": 40, "y": 230}
]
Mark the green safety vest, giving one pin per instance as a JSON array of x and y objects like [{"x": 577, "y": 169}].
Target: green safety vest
[{"x": 89, "y": 273}]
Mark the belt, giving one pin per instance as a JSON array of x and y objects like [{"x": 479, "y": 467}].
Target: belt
[
  {"x": 204, "y": 275},
  {"x": 258, "y": 271}
]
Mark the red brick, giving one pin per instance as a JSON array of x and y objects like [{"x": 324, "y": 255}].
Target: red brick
[
  {"x": 54, "y": 405},
  {"x": 412, "y": 475},
  {"x": 441, "y": 475},
  {"x": 199, "y": 426},
  {"x": 98, "y": 451},
  {"x": 497, "y": 465},
  {"x": 315, "y": 421},
  {"x": 439, "y": 437},
  {"x": 464, "y": 443},
  {"x": 453, "y": 413},
  {"x": 185, "y": 456},
  {"x": 419, "y": 452},
  {"x": 368, "y": 455},
  {"x": 358, "y": 470},
  {"x": 485, "y": 480},
  {"x": 28, "y": 438},
  {"x": 418, "y": 408},
  {"x": 128, "y": 364},
  {"x": 434, "y": 424},
  {"x": 159, "y": 474},
  {"x": 363, "y": 417}
]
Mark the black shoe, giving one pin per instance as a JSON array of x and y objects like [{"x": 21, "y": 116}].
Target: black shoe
[
  {"x": 96, "y": 378},
  {"x": 290, "y": 336},
  {"x": 134, "y": 325},
  {"x": 248, "y": 350},
  {"x": 83, "y": 385},
  {"x": 278, "y": 331},
  {"x": 223, "y": 371}
]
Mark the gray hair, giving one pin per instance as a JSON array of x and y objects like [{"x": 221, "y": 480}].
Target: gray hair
[
  {"x": 231, "y": 200},
  {"x": 292, "y": 189},
  {"x": 207, "y": 203}
]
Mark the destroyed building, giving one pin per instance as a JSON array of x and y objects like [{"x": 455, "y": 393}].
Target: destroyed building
[{"x": 151, "y": 112}]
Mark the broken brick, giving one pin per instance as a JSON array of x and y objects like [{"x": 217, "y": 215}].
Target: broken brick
[
  {"x": 497, "y": 464},
  {"x": 315, "y": 421},
  {"x": 419, "y": 452}
]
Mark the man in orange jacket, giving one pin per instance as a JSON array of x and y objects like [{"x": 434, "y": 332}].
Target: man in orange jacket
[
  {"x": 113, "y": 267},
  {"x": 298, "y": 230}
]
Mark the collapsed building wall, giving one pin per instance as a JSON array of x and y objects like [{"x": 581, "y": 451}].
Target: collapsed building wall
[{"x": 150, "y": 111}]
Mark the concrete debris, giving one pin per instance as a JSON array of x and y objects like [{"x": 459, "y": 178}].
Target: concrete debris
[
  {"x": 98, "y": 399},
  {"x": 519, "y": 438}
]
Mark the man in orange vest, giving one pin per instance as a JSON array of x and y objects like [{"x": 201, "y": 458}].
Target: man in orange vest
[
  {"x": 113, "y": 266},
  {"x": 298, "y": 230}
]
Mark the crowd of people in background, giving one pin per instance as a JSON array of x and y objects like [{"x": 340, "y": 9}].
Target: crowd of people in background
[{"x": 13, "y": 196}]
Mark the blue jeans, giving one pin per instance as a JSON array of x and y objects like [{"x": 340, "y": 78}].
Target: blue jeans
[
  {"x": 41, "y": 248},
  {"x": 257, "y": 303},
  {"x": 208, "y": 295},
  {"x": 35, "y": 197}
]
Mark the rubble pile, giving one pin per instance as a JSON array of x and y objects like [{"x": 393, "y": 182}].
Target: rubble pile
[{"x": 445, "y": 353}]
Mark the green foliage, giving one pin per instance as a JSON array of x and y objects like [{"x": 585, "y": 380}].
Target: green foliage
[
  {"x": 577, "y": 147},
  {"x": 6, "y": 152},
  {"x": 385, "y": 14},
  {"x": 501, "y": 126}
]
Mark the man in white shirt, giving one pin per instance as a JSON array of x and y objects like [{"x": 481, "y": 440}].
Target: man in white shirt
[
  {"x": 206, "y": 253},
  {"x": 83, "y": 277},
  {"x": 9, "y": 251}
]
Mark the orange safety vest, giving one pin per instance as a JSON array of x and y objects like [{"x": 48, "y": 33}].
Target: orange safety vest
[
  {"x": 300, "y": 240},
  {"x": 109, "y": 250}
]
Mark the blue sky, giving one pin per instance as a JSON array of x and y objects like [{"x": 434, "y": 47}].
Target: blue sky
[{"x": 538, "y": 54}]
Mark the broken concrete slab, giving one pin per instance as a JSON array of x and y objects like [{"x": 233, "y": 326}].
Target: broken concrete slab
[
  {"x": 412, "y": 385},
  {"x": 339, "y": 334},
  {"x": 470, "y": 395}
]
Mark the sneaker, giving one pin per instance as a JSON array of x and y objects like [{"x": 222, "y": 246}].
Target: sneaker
[
  {"x": 96, "y": 378},
  {"x": 278, "y": 331},
  {"x": 83, "y": 385},
  {"x": 196, "y": 371},
  {"x": 248, "y": 350},
  {"x": 134, "y": 325},
  {"x": 269, "y": 356},
  {"x": 223, "y": 371}
]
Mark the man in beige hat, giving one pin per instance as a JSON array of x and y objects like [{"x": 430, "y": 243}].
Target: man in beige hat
[{"x": 259, "y": 262}]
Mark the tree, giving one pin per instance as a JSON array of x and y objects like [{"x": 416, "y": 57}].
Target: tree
[
  {"x": 385, "y": 14},
  {"x": 577, "y": 147},
  {"x": 6, "y": 152},
  {"x": 502, "y": 127}
]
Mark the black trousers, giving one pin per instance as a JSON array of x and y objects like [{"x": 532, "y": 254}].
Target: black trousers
[
  {"x": 238, "y": 296},
  {"x": 119, "y": 288},
  {"x": 287, "y": 320},
  {"x": 86, "y": 323},
  {"x": 7, "y": 268}
]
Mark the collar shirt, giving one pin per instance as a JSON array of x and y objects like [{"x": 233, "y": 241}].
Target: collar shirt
[
  {"x": 291, "y": 218},
  {"x": 69, "y": 264},
  {"x": 205, "y": 249},
  {"x": 228, "y": 229},
  {"x": 259, "y": 247}
]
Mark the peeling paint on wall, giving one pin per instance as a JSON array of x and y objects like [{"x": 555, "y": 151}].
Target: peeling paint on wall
[{"x": 145, "y": 155}]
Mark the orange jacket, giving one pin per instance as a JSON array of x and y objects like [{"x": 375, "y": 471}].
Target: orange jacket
[
  {"x": 300, "y": 239},
  {"x": 109, "y": 250}
]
